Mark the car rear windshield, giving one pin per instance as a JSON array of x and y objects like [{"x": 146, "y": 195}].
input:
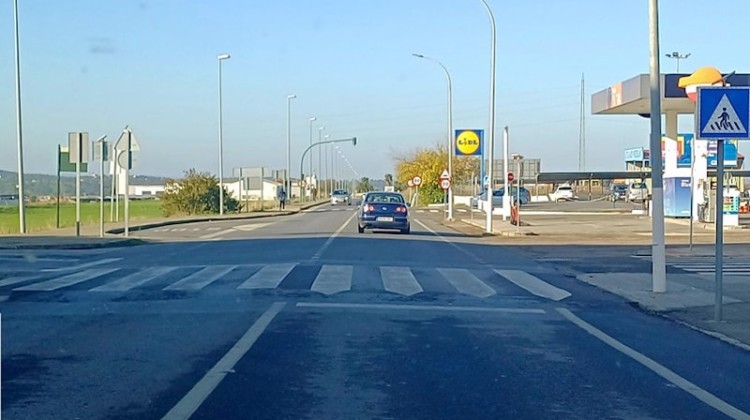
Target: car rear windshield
[
  {"x": 384, "y": 198},
  {"x": 340, "y": 192},
  {"x": 638, "y": 186}
]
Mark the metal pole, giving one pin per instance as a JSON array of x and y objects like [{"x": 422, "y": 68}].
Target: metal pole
[
  {"x": 492, "y": 119},
  {"x": 102, "y": 146},
  {"x": 78, "y": 184},
  {"x": 127, "y": 186},
  {"x": 221, "y": 147},
  {"x": 309, "y": 174},
  {"x": 288, "y": 179},
  {"x": 57, "y": 218},
  {"x": 319, "y": 175},
  {"x": 262, "y": 188},
  {"x": 692, "y": 189},
  {"x": 19, "y": 127},
  {"x": 506, "y": 203},
  {"x": 658, "y": 251},
  {"x": 719, "y": 254},
  {"x": 113, "y": 186},
  {"x": 518, "y": 195}
]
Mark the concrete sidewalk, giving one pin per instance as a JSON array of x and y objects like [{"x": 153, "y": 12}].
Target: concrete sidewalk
[
  {"x": 65, "y": 238},
  {"x": 689, "y": 299}
]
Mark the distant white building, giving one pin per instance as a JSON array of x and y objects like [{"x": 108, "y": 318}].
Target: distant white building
[
  {"x": 146, "y": 190},
  {"x": 247, "y": 193}
]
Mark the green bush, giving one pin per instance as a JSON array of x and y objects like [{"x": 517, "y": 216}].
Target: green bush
[{"x": 196, "y": 193}]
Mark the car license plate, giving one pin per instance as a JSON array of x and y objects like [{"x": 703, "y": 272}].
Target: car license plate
[{"x": 385, "y": 219}]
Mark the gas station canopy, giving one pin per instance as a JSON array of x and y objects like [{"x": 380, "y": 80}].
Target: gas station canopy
[{"x": 632, "y": 96}]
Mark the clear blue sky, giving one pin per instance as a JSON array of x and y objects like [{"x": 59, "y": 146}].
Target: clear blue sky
[{"x": 96, "y": 66}]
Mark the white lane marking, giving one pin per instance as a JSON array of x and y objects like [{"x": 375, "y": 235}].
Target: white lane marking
[
  {"x": 201, "y": 278},
  {"x": 180, "y": 230},
  {"x": 466, "y": 282},
  {"x": 134, "y": 280},
  {"x": 330, "y": 239},
  {"x": 242, "y": 228},
  {"x": 534, "y": 285},
  {"x": 333, "y": 279},
  {"x": 82, "y": 266},
  {"x": 453, "y": 244},
  {"x": 196, "y": 229},
  {"x": 400, "y": 280},
  {"x": 68, "y": 280},
  {"x": 185, "y": 408},
  {"x": 213, "y": 228},
  {"x": 462, "y": 210},
  {"x": 687, "y": 386},
  {"x": 14, "y": 280},
  {"x": 391, "y": 307},
  {"x": 269, "y": 277},
  {"x": 434, "y": 211},
  {"x": 420, "y": 211}
]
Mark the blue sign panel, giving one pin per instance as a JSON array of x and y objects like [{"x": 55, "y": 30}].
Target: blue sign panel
[
  {"x": 723, "y": 113},
  {"x": 469, "y": 142}
]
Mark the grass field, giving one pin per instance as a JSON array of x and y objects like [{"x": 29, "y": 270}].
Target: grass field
[{"x": 43, "y": 217}]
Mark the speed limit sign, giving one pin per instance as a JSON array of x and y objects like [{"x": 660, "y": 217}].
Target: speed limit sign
[
  {"x": 445, "y": 184},
  {"x": 417, "y": 181}
]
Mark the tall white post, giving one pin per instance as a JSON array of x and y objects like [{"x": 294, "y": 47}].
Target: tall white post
[{"x": 658, "y": 249}]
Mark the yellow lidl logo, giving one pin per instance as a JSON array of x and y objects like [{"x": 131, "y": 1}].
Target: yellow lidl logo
[{"x": 469, "y": 142}]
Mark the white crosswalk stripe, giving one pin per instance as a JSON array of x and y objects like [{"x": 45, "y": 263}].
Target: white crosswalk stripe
[
  {"x": 333, "y": 279},
  {"x": 327, "y": 279},
  {"x": 269, "y": 277},
  {"x": 65, "y": 281},
  {"x": 134, "y": 280},
  {"x": 201, "y": 278},
  {"x": 466, "y": 282},
  {"x": 706, "y": 264},
  {"x": 400, "y": 280}
]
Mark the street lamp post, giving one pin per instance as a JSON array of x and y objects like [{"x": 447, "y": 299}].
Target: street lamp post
[
  {"x": 311, "y": 142},
  {"x": 677, "y": 56},
  {"x": 19, "y": 130},
  {"x": 287, "y": 176},
  {"x": 319, "y": 175},
  {"x": 221, "y": 58},
  {"x": 325, "y": 167},
  {"x": 450, "y": 129},
  {"x": 490, "y": 154}
]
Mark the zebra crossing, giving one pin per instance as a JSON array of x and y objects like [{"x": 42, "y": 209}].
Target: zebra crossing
[
  {"x": 706, "y": 264},
  {"x": 322, "y": 279}
]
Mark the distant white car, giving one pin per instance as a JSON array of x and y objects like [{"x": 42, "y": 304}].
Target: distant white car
[
  {"x": 563, "y": 192},
  {"x": 637, "y": 191}
]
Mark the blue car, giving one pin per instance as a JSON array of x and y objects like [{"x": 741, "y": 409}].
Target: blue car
[
  {"x": 497, "y": 197},
  {"x": 383, "y": 210}
]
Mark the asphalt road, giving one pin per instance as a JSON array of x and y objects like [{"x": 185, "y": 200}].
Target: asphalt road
[{"x": 302, "y": 317}]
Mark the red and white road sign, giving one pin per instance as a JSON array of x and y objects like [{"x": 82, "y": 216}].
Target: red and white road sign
[
  {"x": 445, "y": 184},
  {"x": 511, "y": 177},
  {"x": 417, "y": 181},
  {"x": 445, "y": 175},
  {"x": 410, "y": 183}
]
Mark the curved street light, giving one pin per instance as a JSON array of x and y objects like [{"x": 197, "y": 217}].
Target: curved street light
[
  {"x": 450, "y": 128},
  {"x": 490, "y": 154},
  {"x": 287, "y": 176},
  {"x": 220, "y": 58}
]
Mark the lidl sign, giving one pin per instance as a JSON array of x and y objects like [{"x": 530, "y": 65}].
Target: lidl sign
[{"x": 469, "y": 142}]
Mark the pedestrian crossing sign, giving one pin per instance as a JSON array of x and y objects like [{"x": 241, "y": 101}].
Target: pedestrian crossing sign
[{"x": 723, "y": 113}]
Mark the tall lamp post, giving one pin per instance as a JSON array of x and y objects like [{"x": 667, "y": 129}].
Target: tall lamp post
[
  {"x": 677, "y": 56},
  {"x": 319, "y": 175},
  {"x": 221, "y": 58},
  {"x": 287, "y": 176},
  {"x": 311, "y": 142},
  {"x": 490, "y": 154},
  {"x": 19, "y": 130},
  {"x": 450, "y": 129}
]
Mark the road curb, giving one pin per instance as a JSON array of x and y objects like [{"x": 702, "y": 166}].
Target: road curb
[
  {"x": 116, "y": 243},
  {"x": 146, "y": 226}
]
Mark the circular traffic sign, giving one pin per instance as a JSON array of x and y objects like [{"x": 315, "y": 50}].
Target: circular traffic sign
[
  {"x": 417, "y": 181},
  {"x": 445, "y": 184},
  {"x": 467, "y": 143},
  {"x": 410, "y": 183},
  {"x": 511, "y": 177}
]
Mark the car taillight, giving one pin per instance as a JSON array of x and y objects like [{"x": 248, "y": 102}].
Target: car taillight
[
  {"x": 400, "y": 209},
  {"x": 370, "y": 208}
]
